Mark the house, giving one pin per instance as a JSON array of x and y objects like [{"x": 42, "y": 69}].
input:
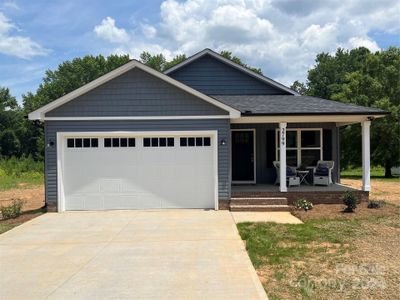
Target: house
[{"x": 206, "y": 131}]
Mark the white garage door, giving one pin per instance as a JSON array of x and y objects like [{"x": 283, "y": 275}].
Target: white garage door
[{"x": 129, "y": 171}]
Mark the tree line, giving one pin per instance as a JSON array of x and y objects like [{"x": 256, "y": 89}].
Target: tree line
[{"x": 357, "y": 76}]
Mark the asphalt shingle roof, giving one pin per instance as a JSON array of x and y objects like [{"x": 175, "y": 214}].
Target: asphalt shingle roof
[{"x": 291, "y": 105}]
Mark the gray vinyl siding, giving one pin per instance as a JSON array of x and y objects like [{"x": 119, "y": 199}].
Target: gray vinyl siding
[
  {"x": 267, "y": 175},
  {"x": 213, "y": 77},
  {"x": 136, "y": 93},
  {"x": 221, "y": 125}
]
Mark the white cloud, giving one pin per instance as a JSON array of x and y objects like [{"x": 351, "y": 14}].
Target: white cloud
[
  {"x": 282, "y": 37},
  {"x": 17, "y": 45},
  {"x": 149, "y": 31},
  {"x": 356, "y": 42},
  {"x": 109, "y": 32},
  {"x": 10, "y": 5}
]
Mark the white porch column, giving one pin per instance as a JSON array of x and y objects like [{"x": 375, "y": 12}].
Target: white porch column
[
  {"x": 282, "y": 157},
  {"x": 365, "y": 130}
]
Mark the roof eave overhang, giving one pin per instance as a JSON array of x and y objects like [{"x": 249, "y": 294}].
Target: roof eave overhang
[
  {"x": 381, "y": 114},
  {"x": 39, "y": 114}
]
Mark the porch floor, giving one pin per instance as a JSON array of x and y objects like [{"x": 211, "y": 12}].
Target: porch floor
[{"x": 301, "y": 188}]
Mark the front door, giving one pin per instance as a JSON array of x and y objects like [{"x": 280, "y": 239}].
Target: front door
[{"x": 243, "y": 160}]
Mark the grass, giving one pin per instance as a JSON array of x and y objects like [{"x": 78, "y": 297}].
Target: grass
[
  {"x": 300, "y": 261},
  {"x": 376, "y": 173},
  {"x": 7, "y": 227},
  {"x": 281, "y": 243},
  {"x": 20, "y": 173}
]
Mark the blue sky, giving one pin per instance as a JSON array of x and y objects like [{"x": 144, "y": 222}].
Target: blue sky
[{"x": 282, "y": 37}]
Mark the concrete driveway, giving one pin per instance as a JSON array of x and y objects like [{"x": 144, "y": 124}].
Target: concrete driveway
[{"x": 176, "y": 254}]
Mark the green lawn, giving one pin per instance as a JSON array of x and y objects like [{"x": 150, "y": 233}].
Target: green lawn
[
  {"x": 25, "y": 180},
  {"x": 7, "y": 227},
  {"x": 376, "y": 173},
  {"x": 299, "y": 261}
]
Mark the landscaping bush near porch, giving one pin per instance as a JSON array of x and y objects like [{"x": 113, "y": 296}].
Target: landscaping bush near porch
[{"x": 330, "y": 256}]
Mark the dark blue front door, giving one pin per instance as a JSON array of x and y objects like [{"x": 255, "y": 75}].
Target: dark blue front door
[{"x": 243, "y": 156}]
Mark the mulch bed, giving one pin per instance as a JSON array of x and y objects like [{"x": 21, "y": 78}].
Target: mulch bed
[
  {"x": 335, "y": 211},
  {"x": 23, "y": 218}
]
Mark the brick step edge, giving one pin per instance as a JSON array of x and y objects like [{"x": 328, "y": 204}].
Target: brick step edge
[
  {"x": 259, "y": 201},
  {"x": 260, "y": 208}
]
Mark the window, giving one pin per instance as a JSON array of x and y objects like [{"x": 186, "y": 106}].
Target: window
[
  {"x": 124, "y": 142},
  {"x": 191, "y": 141},
  {"x": 195, "y": 141},
  {"x": 82, "y": 142},
  {"x": 119, "y": 142},
  {"x": 131, "y": 142},
  {"x": 107, "y": 143},
  {"x": 70, "y": 143},
  {"x": 303, "y": 147},
  {"x": 78, "y": 143},
  {"x": 94, "y": 143},
  {"x": 158, "y": 142},
  {"x": 86, "y": 143}
]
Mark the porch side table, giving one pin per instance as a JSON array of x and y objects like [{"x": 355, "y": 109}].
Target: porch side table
[{"x": 303, "y": 175}]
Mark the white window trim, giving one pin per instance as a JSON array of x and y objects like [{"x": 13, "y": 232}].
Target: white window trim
[
  {"x": 255, "y": 157},
  {"x": 298, "y": 142},
  {"x": 61, "y": 138}
]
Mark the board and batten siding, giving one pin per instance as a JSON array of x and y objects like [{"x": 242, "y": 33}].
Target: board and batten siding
[
  {"x": 266, "y": 172},
  {"x": 136, "y": 93},
  {"x": 221, "y": 125},
  {"x": 213, "y": 77}
]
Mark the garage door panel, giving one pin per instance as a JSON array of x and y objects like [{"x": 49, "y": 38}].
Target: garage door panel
[
  {"x": 94, "y": 202},
  {"x": 138, "y": 177}
]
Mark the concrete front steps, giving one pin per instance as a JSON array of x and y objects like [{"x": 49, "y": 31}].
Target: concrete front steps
[{"x": 259, "y": 204}]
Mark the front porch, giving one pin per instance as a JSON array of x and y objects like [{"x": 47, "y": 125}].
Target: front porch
[{"x": 316, "y": 194}]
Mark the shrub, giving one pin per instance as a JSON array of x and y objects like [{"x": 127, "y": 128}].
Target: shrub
[
  {"x": 375, "y": 204},
  {"x": 13, "y": 210},
  {"x": 350, "y": 200},
  {"x": 303, "y": 204}
]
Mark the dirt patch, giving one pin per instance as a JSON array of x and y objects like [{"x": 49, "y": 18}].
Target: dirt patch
[
  {"x": 335, "y": 211},
  {"x": 33, "y": 197},
  {"x": 388, "y": 191}
]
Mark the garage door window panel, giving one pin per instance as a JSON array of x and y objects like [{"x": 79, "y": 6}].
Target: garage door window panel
[
  {"x": 158, "y": 142},
  {"x": 195, "y": 141},
  {"x": 95, "y": 143},
  {"x": 119, "y": 142},
  {"x": 70, "y": 143}
]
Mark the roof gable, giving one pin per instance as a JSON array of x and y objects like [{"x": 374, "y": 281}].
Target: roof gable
[
  {"x": 135, "y": 94},
  {"x": 39, "y": 114},
  {"x": 212, "y": 73}
]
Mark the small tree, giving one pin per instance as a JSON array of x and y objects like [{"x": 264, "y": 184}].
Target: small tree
[{"x": 9, "y": 143}]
